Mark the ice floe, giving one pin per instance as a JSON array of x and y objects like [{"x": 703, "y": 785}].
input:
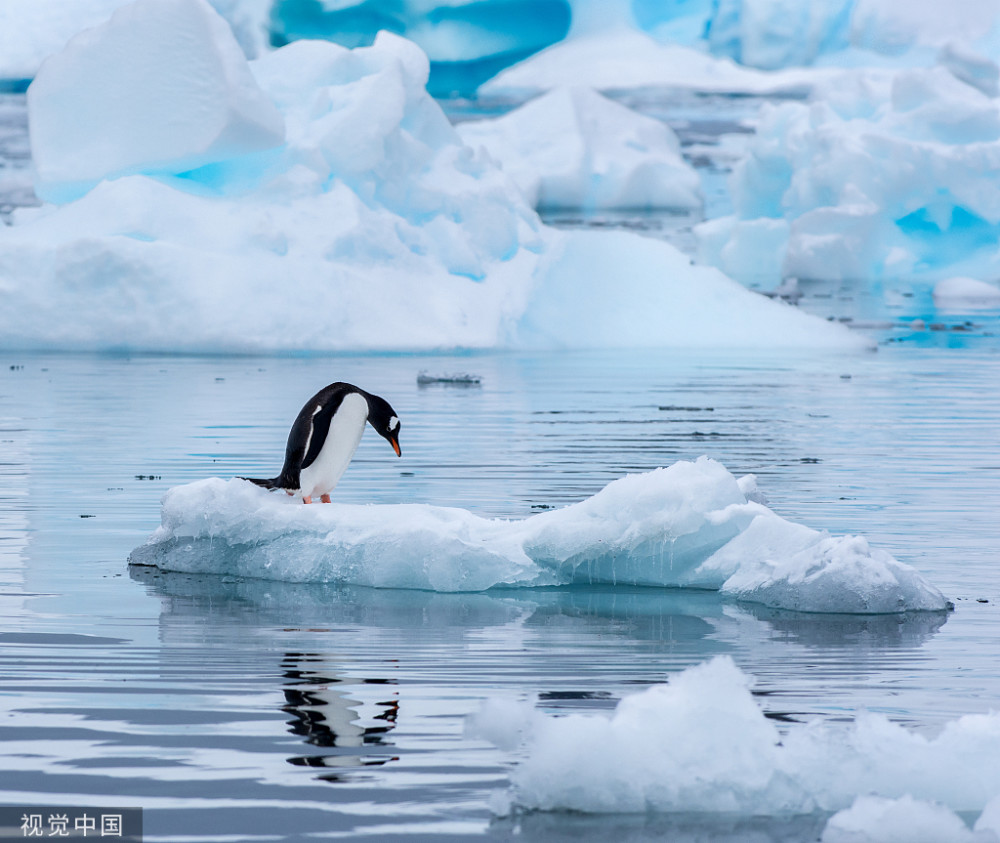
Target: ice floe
[
  {"x": 372, "y": 226},
  {"x": 574, "y": 148},
  {"x": 702, "y": 744},
  {"x": 692, "y": 524}
]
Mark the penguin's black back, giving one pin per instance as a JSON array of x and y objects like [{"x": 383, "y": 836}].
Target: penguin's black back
[{"x": 308, "y": 433}]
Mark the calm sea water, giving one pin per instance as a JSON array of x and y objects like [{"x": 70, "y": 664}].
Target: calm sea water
[
  {"x": 250, "y": 710},
  {"x": 242, "y": 710}
]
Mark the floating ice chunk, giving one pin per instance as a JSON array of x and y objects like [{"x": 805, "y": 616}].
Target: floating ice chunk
[
  {"x": 573, "y": 148},
  {"x": 163, "y": 86},
  {"x": 449, "y": 379},
  {"x": 668, "y": 527},
  {"x": 875, "y": 819},
  {"x": 785, "y": 565},
  {"x": 966, "y": 294},
  {"x": 701, "y": 744},
  {"x": 893, "y": 176}
]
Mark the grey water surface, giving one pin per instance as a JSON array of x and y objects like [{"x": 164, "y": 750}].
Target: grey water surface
[{"x": 248, "y": 710}]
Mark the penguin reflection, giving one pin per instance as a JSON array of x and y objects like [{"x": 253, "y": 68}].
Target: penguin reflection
[{"x": 326, "y": 715}]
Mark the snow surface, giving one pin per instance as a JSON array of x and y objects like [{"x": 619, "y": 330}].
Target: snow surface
[
  {"x": 372, "y": 227},
  {"x": 626, "y": 58},
  {"x": 893, "y": 176},
  {"x": 751, "y": 46},
  {"x": 469, "y": 40},
  {"x": 573, "y": 148},
  {"x": 33, "y": 30},
  {"x": 692, "y": 524},
  {"x": 171, "y": 115},
  {"x": 702, "y": 744}
]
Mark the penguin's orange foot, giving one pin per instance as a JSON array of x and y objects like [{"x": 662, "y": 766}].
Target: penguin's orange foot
[
  {"x": 325, "y": 498},
  {"x": 307, "y": 500}
]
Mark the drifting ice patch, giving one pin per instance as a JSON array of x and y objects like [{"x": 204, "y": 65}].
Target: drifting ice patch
[
  {"x": 701, "y": 744},
  {"x": 693, "y": 524}
]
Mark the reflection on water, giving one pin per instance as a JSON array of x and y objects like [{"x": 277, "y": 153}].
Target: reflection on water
[
  {"x": 282, "y": 711},
  {"x": 325, "y": 715}
]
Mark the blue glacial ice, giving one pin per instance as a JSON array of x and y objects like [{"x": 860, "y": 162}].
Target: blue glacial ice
[
  {"x": 750, "y": 46},
  {"x": 881, "y": 176},
  {"x": 702, "y": 744},
  {"x": 692, "y": 524},
  {"x": 316, "y": 180}
]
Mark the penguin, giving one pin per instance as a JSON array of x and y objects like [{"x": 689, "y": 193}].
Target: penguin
[{"x": 325, "y": 436}]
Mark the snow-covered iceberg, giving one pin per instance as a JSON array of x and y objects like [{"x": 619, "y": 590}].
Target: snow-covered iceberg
[
  {"x": 894, "y": 176},
  {"x": 467, "y": 41},
  {"x": 33, "y": 30},
  {"x": 173, "y": 115},
  {"x": 623, "y": 57},
  {"x": 692, "y": 524},
  {"x": 749, "y": 46},
  {"x": 371, "y": 226},
  {"x": 772, "y": 34},
  {"x": 574, "y": 148},
  {"x": 702, "y": 744}
]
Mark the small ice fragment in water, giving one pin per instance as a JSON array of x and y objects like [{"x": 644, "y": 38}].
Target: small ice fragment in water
[{"x": 454, "y": 378}]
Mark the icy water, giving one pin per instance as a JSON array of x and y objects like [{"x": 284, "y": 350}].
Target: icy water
[{"x": 243, "y": 710}]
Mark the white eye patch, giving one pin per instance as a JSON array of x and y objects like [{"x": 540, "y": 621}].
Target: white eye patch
[{"x": 393, "y": 423}]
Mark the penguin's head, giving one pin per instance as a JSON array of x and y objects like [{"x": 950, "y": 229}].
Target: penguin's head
[{"x": 385, "y": 421}]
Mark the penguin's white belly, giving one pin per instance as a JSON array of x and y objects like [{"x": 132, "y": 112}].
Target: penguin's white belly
[{"x": 346, "y": 427}]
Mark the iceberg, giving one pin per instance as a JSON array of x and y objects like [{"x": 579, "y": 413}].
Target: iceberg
[
  {"x": 702, "y": 744},
  {"x": 890, "y": 177},
  {"x": 33, "y": 30},
  {"x": 691, "y": 525},
  {"x": 573, "y": 148},
  {"x": 327, "y": 205},
  {"x": 172, "y": 116},
  {"x": 625, "y": 58},
  {"x": 467, "y": 41}
]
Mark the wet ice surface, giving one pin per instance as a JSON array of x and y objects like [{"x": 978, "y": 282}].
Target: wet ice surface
[{"x": 275, "y": 711}]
